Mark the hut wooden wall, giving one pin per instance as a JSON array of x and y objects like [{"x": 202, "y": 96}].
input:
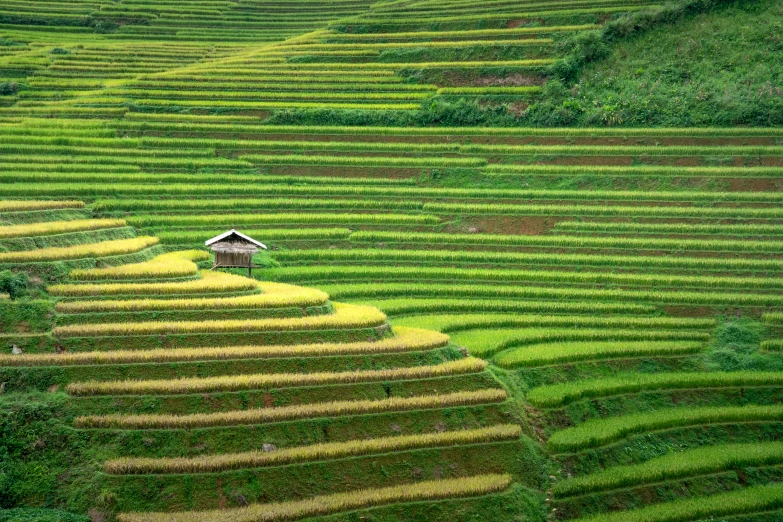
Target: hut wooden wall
[{"x": 233, "y": 258}]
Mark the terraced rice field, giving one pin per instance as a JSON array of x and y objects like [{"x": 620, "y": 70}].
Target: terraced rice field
[
  {"x": 280, "y": 383},
  {"x": 475, "y": 323}
]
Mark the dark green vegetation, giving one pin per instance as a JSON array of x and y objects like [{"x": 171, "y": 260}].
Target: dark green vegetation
[
  {"x": 39, "y": 515},
  {"x": 723, "y": 67}
]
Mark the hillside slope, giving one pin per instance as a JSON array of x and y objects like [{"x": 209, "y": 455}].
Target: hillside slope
[
  {"x": 458, "y": 318},
  {"x": 724, "y": 67}
]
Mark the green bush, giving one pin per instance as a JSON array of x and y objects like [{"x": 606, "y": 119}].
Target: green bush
[
  {"x": 584, "y": 47},
  {"x": 5, "y": 42},
  {"x": 8, "y": 88},
  {"x": 15, "y": 285}
]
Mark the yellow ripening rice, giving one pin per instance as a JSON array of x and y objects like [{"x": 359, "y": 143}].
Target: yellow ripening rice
[
  {"x": 228, "y": 383},
  {"x": 215, "y": 282},
  {"x": 344, "y": 316},
  {"x": 284, "y": 413},
  {"x": 405, "y": 340},
  {"x": 172, "y": 264},
  {"x": 58, "y": 227},
  {"x": 321, "y": 451},
  {"x": 275, "y": 295},
  {"x": 102, "y": 249},
  {"x": 325, "y": 504},
  {"x": 18, "y": 206}
]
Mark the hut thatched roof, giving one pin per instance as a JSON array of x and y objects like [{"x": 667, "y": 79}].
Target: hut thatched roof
[
  {"x": 234, "y": 242},
  {"x": 233, "y": 247}
]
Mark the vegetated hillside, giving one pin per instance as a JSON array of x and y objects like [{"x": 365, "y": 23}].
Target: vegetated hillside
[
  {"x": 474, "y": 322},
  {"x": 157, "y": 386},
  {"x": 724, "y": 67}
]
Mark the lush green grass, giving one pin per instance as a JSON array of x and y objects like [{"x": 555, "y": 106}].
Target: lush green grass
[
  {"x": 677, "y": 344},
  {"x": 509, "y": 292},
  {"x": 261, "y": 415},
  {"x": 599, "y": 432},
  {"x": 558, "y": 395},
  {"x": 437, "y": 274},
  {"x": 464, "y": 487},
  {"x": 316, "y": 452},
  {"x": 720, "y": 68},
  {"x": 451, "y": 323},
  {"x": 699, "y": 461},
  {"x": 742, "y": 503}
]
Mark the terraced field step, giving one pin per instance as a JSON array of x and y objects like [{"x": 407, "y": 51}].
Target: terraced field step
[
  {"x": 287, "y": 218},
  {"x": 404, "y": 340},
  {"x": 194, "y": 314},
  {"x": 272, "y": 380},
  {"x": 426, "y": 490},
  {"x": 668, "y": 228},
  {"x": 90, "y": 250},
  {"x": 446, "y": 305},
  {"x": 772, "y": 345},
  {"x": 673, "y": 466},
  {"x": 714, "y": 245},
  {"x": 773, "y": 318},
  {"x": 117, "y": 174},
  {"x": 28, "y": 244},
  {"x": 272, "y": 295},
  {"x": 184, "y": 237},
  {"x": 266, "y": 415},
  {"x": 509, "y": 292},
  {"x": 277, "y": 187},
  {"x": 558, "y": 395},
  {"x": 209, "y": 282},
  {"x": 328, "y": 450},
  {"x": 159, "y": 145},
  {"x": 345, "y": 316},
  {"x": 454, "y": 322},
  {"x": 25, "y": 205},
  {"x": 600, "y": 432},
  {"x": 659, "y": 262},
  {"x": 741, "y": 503},
  {"x": 250, "y": 125},
  {"x": 554, "y": 353},
  {"x": 436, "y": 274},
  {"x": 170, "y": 265},
  {"x": 58, "y": 227}
]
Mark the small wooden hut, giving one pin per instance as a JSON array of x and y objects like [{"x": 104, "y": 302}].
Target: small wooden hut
[{"x": 234, "y": 250}]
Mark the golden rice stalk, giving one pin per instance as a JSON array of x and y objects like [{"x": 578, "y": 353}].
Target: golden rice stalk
[
  {"x": 299, "y": 411},
  {"x": 172, "y": 264},
  {"x": 405, "y": 340},
  {"x": 18, "y": 206},
  {"x": 325, "y": 504},
  {"x": 58, "y": 227},
  {"x": 229, "y": 383},
  {"x": 322, "y": 451},
  {"x": 275, "y": 295},
  {"x": 102, "y": 249},
  {"x": 209, "y": 282},
  {"x": 345, "y": 316}
]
